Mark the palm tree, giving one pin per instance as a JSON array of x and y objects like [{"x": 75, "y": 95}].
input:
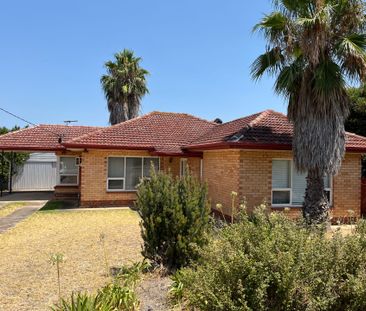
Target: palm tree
[
  {"x": 124, "y": 85},
  {"x": 313, "y": 48}
]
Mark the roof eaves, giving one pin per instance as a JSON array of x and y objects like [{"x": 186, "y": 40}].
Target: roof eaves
[{"x": 107, "y": 146}]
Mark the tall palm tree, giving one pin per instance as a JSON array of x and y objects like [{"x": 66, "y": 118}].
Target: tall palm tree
[
  {"x": 313, "y": 48},
  {"x": 124, "y": 85}
]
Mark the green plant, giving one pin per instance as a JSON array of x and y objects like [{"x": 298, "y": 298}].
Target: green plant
[
  {"x": 268, "y": 262},
  {"x": 175, "y": 218},
  {"x": 124, "y": 85},
  {"x": 119, "y": 295},
  {"x": 78, "y": 302},
  {"x": 176, "y": 288},
  {"x": 57, "y": 259}
]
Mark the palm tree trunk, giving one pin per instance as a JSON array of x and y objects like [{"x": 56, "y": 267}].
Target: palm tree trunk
[
  {"x": 125, "y": 111},
  {"x": 316, "y": 205}
]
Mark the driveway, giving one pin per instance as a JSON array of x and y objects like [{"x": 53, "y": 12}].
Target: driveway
[{"x": 26, "y": 196}]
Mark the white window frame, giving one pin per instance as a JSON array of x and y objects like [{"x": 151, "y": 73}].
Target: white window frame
[
  {"x": 59, "y": 174},
  {"x": 291, "y": 183},
  {"x": 182, "y": 166},
  {"x": 124, "y": 178}
]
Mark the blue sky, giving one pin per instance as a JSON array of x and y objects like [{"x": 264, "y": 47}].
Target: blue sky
[{"x": 199, "y": 53}]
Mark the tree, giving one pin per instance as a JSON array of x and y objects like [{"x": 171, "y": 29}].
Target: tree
[
  {"x": 17, "y": 158},
  {"x": 124, "y": 85},
  {"x": 356, "y": 122},
  {"x": 313, "y": 47}
]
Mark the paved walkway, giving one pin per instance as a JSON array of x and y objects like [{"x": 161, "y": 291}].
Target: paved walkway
[{"x": 20, "y": 214}]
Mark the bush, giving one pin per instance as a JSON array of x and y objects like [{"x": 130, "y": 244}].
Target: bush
[
  {"x": 175, "y": 218},
  {"x": 117, "y": 296},
  {"x": 267, "y": 262}
]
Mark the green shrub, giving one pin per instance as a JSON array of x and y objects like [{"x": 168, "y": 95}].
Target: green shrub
[
  {"x": 175, "y": 218},
  {"x": 117, "y": 296},
  {"x": 78, "y": 302},
  {"x": 267, "y": 262}
]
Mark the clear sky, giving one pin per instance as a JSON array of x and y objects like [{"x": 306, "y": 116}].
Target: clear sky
[{"x": 198, "y": 52}]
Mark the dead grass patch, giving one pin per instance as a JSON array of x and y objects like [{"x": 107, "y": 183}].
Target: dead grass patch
[
  {"x": 29, "y": 282},
  {"x": 8, "y": 209}
]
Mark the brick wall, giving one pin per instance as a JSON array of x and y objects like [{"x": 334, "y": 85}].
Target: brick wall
[
  {"x": 257, "y": 166},
  {"x": 221, "y": 173},
  {"x": 347, "y": 187},
  {"x": 94, "y": 177},
  {"x": 249, "y": 172}
]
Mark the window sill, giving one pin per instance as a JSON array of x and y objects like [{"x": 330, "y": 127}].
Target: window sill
[
  {"x": 67, "y": 185},
  {"x": 121, "y": 191},
  {"x": 285, "y": 206},
  {"x": 289, "y": 206}
]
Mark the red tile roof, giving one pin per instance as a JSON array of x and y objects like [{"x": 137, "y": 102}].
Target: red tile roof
[
  {"x": 268, "y": 130},
  {"x": 167, "y": 133},
  {"x": 159, "y": 132},
  {"x": 42, "y": 137}
]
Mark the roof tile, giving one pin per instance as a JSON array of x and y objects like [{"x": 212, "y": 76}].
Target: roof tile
[
  {"x": 162, "y": 132},
  {"x": 42, "y": 137}
]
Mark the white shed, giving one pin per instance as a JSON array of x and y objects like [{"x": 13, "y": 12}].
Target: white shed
[{"x": 39, "y": 173}]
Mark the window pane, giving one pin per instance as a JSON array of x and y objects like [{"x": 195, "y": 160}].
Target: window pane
[
  {"x": 68, "y": 180},
  {"x": 298, "y": 187},
  {"x": 281, "y": 174},
  {"x": 115, "y": 184},
  {"x": 327, "y": 181},
  {"x": 133, "y": 172},
  {"x": 148, "y": 163},
  {"x": 116, "y": 167},
  {"x": 281, "y": 197},
  {"x": 68, "y": 165}
]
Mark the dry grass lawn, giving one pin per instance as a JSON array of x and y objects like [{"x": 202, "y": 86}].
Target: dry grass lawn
[
  {"x": 10, "y": 208},
  {"x": 28, "y": 280}
]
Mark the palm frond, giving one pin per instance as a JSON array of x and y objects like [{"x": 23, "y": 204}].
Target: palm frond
[
  {"x": 270, "y": 62},
  {"x": 351, "y": 52},
  {"x": 275, "y": 27},
  {"x": 353, "y": 44},
  {"x": 328, "y": 80},
  {"x": 289, "y": 78},
  {"x": 124, "y": 85}
]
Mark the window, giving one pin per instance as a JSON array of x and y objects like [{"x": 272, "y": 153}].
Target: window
[
  {"x": 183, "y": 166},
  {"x": 125, "y": 173},
  {"x": 68, "y": 171},
  {"x": 288, "y": 185}
]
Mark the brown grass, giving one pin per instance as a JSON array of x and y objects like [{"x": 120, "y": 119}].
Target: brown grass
[
  {"x": 7, "y": 209},
  {"x": 29, "y": 282}
]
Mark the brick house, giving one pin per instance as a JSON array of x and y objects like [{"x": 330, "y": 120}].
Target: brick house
[{"x": 251, "y": 156}]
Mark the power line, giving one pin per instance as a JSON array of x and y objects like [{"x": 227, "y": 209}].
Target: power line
[
  {"x": 31, "y": 123},
  {"x": 15, "y": 116}
]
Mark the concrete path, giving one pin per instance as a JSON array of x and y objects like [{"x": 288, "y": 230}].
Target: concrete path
[
  {"x": 11, "y": 220},
  {"x": 20, "y": 214}
]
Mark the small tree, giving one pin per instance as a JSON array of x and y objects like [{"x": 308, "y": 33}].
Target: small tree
[
  {"x": 175, "y": 218},
  {"x": 17, "y": 158}
]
